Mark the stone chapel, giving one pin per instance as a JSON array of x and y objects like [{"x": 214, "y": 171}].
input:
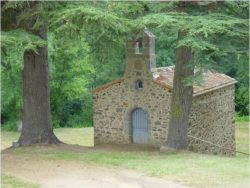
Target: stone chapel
[{"x": 135, "y": 109}]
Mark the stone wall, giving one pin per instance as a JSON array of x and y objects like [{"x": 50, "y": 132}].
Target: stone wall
[
  {"x": 113, "y": 108},
  {"x": 211, "y": 119}
]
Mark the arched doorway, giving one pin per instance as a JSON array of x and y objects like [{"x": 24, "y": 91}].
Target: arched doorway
[{"x": 140, "y": 133}]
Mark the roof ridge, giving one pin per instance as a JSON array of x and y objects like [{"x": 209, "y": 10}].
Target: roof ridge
[
  {"x": 107, "y": 85},
  {"x": 212, "y": 79}
]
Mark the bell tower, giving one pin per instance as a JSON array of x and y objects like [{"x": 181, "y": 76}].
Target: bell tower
[{"x": 140, "y": 54}]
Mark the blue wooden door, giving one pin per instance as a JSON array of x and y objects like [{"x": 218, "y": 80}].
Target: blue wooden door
[{"x": 140, "y": 127}]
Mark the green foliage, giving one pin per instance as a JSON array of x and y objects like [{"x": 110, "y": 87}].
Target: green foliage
[
  {"x": 14, "y": 43},
  {"x": 11, "y": 93},
  {"x": 70, "y": 74},
  {"x": 76, "y": 113},
  {"x": 21, "y": 39},
  {"x": 242, "y": 100},
  {"x": 14, "y": 5},
  {"x": 219, "y": 40},
  {"x": 129, "y": 10},
  {"x": 213, "y": 36},
  {"x": 85, "y": 20},
  {"x": 199, "y": 28},
  {"x": 86, "y": 119},
  {"x": 240, "y": 118},
  {"x": 238, "y": 68},
  {"x": 165, "y": 46},
  {"x": 104, "y": 48},
  {"x": 86, "y": 43},
  {"x": 9, "y": 125},
  {"x": 69, "y": 114}
]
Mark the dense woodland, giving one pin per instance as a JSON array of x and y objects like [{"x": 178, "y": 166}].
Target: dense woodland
[{"x": 86, "y": 48}]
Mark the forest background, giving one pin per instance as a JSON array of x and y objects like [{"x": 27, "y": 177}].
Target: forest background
[{"x": 81, "y": 62}]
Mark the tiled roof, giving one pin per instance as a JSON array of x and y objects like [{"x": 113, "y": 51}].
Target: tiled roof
[
  {"x": 212, "y": 80},
  {"x": 164, "y": 77}
]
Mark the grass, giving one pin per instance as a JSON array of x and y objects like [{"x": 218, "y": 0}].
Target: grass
[
  {"x": 239, "y": 118},
  {"x": 7, "y": 138},
  {"x": 197, "y": 170},
  {"x": 12, "y": 182},
  {"x": 242, "y": 137},
  {"x": 193, "y": 169},
  {"x": 81, "y": 136}
]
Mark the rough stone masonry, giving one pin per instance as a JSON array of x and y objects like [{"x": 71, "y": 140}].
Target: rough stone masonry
[{"x": 148, "y": 88}]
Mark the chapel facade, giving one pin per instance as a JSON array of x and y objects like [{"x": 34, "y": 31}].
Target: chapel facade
[{"x": 135, "y": 109}]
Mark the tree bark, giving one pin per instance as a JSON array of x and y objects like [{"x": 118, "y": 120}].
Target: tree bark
[
  {"x": 181, "y": 98},
  {"x": 37, "y": 127}
]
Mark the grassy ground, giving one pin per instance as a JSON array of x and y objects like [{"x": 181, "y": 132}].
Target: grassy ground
[
  {"x": 242, "y": 137},
  {"x": 12, "y": 182},
  {"x": 192, "y": 169},
  {"x": 80, "y": 136}
]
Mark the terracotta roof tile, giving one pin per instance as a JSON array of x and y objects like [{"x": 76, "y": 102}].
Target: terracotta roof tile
[
  {"x": 212, "y": 80},
  {"x": 164, "y": 77}
]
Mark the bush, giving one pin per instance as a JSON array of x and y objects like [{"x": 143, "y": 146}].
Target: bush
[
  {"x": 76, "y": 113},
  {"x": 87, "y": 110},
  {"x": 68, "y": 112},
  {"x": 242, "y": 101},
  {"x": 240, "y": 118},
  {"x": 9, "y": 126}
]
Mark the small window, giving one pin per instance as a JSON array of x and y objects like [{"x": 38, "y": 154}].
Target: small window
[
  {"x": 138, "y": 47},
  {"x": 139, "y": 84}
]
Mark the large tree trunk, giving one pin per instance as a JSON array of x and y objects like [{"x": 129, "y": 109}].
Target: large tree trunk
[
  {"x": 37, "y": 128},
  {"x": 181, "y": 98}
]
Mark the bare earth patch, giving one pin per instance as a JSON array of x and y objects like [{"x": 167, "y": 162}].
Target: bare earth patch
[
  {"x": 71, "y": 174},
  {"x": 84, "y": 166}
]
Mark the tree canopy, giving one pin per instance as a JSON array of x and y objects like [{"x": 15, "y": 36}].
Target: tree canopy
[{"x": 86, "y": 42}]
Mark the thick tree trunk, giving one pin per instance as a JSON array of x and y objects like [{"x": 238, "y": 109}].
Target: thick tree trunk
[
  {"x": 37, "y": 128},
  {"x": 181, "y": 98}
]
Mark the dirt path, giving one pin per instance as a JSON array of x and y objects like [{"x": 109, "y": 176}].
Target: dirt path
[{"x": 70, "y": 174}]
